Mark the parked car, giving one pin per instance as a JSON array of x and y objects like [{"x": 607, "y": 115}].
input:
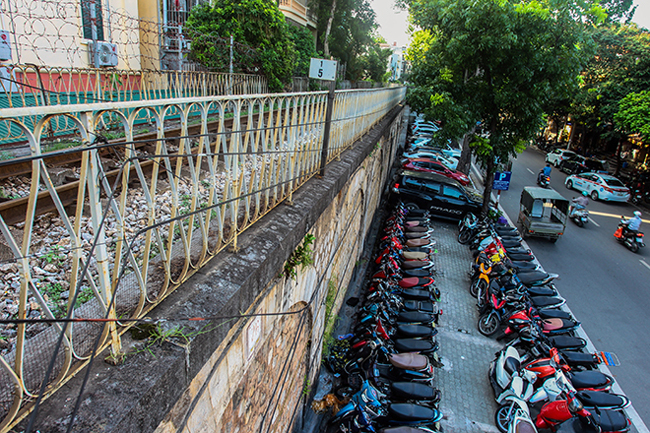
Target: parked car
[
  {"x": 573, "y": 165},
  {"x": 558, "y": 155},
  {"x": 422, "y": 164},
  {"x": 434, "y": 154},
  {"x": 599, "y": 186},
  {"x": 425, "y": 143},
  {"x": 441, "y": 195},
  {"x": 596, "y": 165}
]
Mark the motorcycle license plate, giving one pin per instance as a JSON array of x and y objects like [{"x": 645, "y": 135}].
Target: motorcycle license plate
[{"x": 639, "y": 240}]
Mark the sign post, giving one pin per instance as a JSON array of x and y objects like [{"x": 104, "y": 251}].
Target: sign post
[
  {"x": 321, "y": 69},
  {"x": 501, "y": 182}
]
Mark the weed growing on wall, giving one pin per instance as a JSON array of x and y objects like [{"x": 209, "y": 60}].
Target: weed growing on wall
[{"x": 302, "y": 256}]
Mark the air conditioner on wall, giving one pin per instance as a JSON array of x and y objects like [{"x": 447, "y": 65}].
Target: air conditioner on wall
[{"x": 105, "y": 54}]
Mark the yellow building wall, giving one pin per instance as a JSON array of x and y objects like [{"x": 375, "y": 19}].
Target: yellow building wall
[{"x": 50, "y": 33}]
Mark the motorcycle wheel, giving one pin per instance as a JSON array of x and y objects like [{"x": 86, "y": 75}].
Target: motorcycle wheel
[
  {"x": 478, "y": 286},
  {"x": 464, "y": 236},
  {"x": 488, "y": 324},
  {"x": 501, "y": 418},
  {"x": 634, "y": 247},
  {"x": 579, "y": 222}
]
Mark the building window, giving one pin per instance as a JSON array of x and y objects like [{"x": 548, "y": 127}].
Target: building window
[{"x": 91, "y": 14}]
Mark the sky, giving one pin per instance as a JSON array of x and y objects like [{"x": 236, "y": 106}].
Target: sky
[{"x": 393, "y": 22}]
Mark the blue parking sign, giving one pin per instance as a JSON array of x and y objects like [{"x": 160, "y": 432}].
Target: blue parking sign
[{"x": 501, "y": 180}]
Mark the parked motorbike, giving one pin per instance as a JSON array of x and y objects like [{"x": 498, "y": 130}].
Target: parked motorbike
[{"x": 632, "y": 240}]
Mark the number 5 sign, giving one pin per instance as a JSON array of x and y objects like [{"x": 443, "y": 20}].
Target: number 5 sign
[{"x": 322, "y": 69}]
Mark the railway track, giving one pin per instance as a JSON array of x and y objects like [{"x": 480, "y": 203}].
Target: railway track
[{"x": 14, "y": 211}]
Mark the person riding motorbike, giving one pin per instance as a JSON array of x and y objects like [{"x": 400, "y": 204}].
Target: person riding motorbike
[
  {"x": 579, "y": 203},
  {"x": 632, "y": 225},
  {"x": 546, "y": 171}
]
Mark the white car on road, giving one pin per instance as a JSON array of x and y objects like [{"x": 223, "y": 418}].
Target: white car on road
[
  {"x": 599, "y": 186},
  {"x": 559, "y": 155}
]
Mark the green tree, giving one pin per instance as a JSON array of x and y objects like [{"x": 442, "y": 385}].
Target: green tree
[
  {"x": 305, "y": 49},
  {"x": 633, "y": 115},
  {"x": 497, "y": 63},
  {"x": 375, "y": 61},
  {"x": 620, "y": 66},
  {"x": 345, "y": 31},
  {"x": 258, "y": 24}
]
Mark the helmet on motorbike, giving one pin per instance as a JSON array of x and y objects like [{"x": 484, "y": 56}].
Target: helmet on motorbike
[
  {"x": 585, "y": 193},
  {"x": 637, "y": 213}
]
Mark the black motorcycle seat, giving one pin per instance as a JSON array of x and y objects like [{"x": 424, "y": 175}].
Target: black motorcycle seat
[
  {"x": 579, "y": 358},
  {"x": 416, "y": 235},
  {"x": 415, "y": 345},
  {"x": 544, "y": 301},
  {"x": 414, "y": 317},
  {"x": 611, "y": 420},
  {"x": 410, "y": 412},
  {"x": 517, "y": 250},
  {"x": 588, "y": 379},
  {"x": 401, "y": 429},
  {"x": 416, "y": 331},
  {"x": 420, "y": 273},
  {"x": 532, "y": 276},
  {"x": 504, "y": 230},
  {"x": 508, "y": 243},
  {"x": 549, "y": 313},
  {"x": 420, "y": 295},
  {"x": 567, "y": 342},
  {"x": 424, "y": 306},
  {"x": 521, "y": 257},
  {"x": 541, "y": 291},
  {"x": 523, "y": 266},
  {"x": 601, "y": 399},
  {"x": 414, "y": 390}
]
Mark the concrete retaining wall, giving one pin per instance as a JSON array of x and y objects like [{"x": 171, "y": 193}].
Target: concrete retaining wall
[{"x": 249, "y": 364}]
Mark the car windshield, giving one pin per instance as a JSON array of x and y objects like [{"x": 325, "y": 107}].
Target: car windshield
[
  {"x": 612, "y": 181},
  {"x": 594, "y": 165}
]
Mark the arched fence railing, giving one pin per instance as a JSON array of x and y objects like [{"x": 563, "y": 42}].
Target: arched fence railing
[{"x": 144, "y": 215}]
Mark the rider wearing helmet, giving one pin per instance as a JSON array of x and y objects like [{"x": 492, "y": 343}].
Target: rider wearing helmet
[
  {"x": 632, "y": 225},
  {"x": 579, "y": 202}
]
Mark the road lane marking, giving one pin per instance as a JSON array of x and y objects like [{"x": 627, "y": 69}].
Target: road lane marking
[
  {"x": 594, "y": 222},
  {"x": 643, "y": 262},
  {"x": 611, "y": 215},
  {"x": 531, "y": 171}
]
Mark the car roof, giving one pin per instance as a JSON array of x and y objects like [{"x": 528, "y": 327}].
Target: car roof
[{"x": 430, "y": 176}]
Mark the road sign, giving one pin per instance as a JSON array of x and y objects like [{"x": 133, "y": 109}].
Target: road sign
[
  {"x": 322, "y": 69},
  {"x": 501, "y": 180}
]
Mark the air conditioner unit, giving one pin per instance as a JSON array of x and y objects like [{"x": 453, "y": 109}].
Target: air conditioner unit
[{"x": 105, "y": 54}]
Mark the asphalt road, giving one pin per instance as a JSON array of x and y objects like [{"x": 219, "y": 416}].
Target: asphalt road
[{"x": 606, "y": 286}]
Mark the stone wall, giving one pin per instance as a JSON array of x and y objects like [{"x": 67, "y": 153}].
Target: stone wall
[{"x": 249, "y": 365}]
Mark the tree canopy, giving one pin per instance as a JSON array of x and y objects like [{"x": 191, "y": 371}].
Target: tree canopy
[
  {"x": 257, "y": 24},
  {"x": 633, "y": 115},
  {"x": 496, "y": 63}
]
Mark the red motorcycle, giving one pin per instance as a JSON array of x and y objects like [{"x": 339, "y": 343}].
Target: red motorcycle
[{"x": 557, "y": 412}]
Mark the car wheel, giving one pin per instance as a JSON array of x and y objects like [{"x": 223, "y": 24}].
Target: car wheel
[
  {"x": 488, "y": 324},
  {"x": 553, "y": 240},
  {"x": 569, "y": 184},
  {"x": 411, "y": 206},
  {"x": 556, "y": 164},
  {"x": 594, "y": 195}
]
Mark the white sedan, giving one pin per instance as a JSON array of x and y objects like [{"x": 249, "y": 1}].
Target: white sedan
[{"x": 599, "y": 186}]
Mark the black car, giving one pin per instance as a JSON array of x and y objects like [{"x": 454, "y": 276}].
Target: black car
[
  {"x": 573, "y": 165},
  {"x": 442, "y": 196}
]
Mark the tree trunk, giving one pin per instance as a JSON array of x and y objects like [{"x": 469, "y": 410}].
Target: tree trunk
[
  {"x": 487, "y": 192},
  {"x": 328, "y": 29},
  {"x": 465, "y": 160},
  {"x": 618, "y": 157}
]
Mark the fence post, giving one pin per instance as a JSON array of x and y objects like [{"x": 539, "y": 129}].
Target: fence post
[{"x": 326, "y": 132}]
